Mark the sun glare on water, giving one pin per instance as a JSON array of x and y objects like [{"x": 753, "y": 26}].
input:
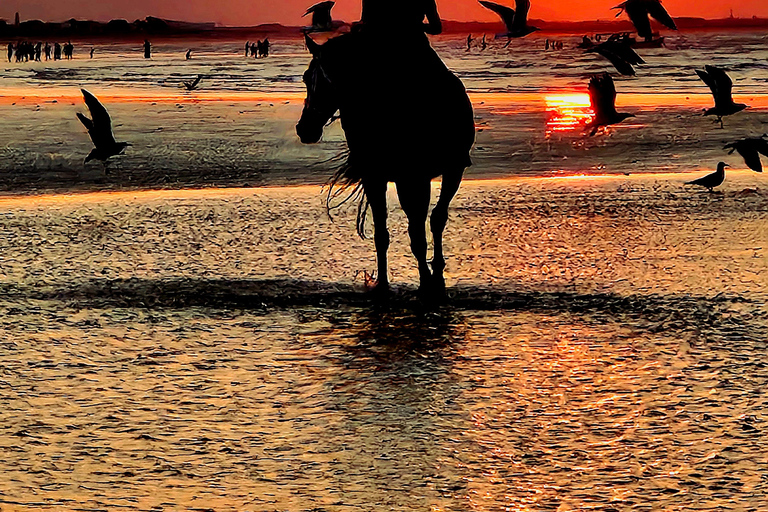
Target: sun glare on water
[{"x": 567, "y": 112}]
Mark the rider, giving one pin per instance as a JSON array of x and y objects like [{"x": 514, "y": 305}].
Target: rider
[{"x": 402, "y": 16}]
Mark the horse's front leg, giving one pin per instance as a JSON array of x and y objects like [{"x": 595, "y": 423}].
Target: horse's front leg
[
  {"x": 438, "y": 220},
  {"x": 414, "y": 198},
  {"x": 376, "y": 193}
]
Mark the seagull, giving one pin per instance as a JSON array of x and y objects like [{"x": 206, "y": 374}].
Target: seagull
[
  {"x": 321, "y": 17},
  {"x": 619, "y": 52},
  {"x": 713, "y": 180},
  {"x": 100, "y": 130},
  {"x": 750, "y": 149},
  {"x": 515, "y": 20},
  {"x": 602, "y": 98},
  {"x": 721, "y": 85},
  {"x": 191, "y": 86},
  {"x": 638, "y": 11}
]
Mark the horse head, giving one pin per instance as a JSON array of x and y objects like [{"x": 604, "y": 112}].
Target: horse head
[{"x": 320, "y": 104}]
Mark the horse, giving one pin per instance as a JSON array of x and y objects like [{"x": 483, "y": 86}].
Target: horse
[{"x": 407, "y": 120}]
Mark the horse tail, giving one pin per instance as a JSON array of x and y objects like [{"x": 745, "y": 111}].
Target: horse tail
[{"x": 344, "y": 186}]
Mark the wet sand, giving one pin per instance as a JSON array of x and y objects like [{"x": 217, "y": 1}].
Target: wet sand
[{"x": 603, "y": 348}]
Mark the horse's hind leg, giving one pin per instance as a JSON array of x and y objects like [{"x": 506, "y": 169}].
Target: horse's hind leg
[
  {"x": 414, "y": 198},
  {"x": 376, "y": 193},
  {"x": 438, "y": 220}
]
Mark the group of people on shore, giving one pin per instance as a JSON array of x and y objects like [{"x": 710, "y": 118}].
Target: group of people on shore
[
  {"x": 257, "y": 49},
  {"x": 24, "y": 51}
]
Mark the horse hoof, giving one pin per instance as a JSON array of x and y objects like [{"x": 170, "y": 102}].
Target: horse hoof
[{"x": 379, "y": 290}]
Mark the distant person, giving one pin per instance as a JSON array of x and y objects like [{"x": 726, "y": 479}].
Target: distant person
[
  {"x": 188, "y": 55},
  {"x": 38, "y": 51},
  {"x": 257, "y": 49},
  {"x": 147, "y": 49},
  {"x": 56, "y": 51},
  {"x": 92, "y": 50},
  {"x": 248, "y": 50},
  {"x": 546, "y": 45},
  {"x": 483, "y": 44},
  {"x": 265, "y": 48},
  {"x": 469, "y": 42},
  {"x": 10, "y": 51},
  {"x": 47, "y": 51}
]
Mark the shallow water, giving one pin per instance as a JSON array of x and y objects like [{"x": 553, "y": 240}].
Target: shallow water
[
  {"x": 238, "y": 128},
  {"x": 603, "y": 348}
]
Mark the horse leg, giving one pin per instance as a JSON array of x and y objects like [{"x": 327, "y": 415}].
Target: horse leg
[
  {"x": 438, "y": 220},
  {"x": 376, "y": 193},
  {"x": 414, "y": 198}
]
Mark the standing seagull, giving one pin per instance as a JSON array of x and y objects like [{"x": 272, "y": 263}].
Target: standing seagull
[
  {"x": 620, "y": 53},
  {"x": 638, "y": 12},
  {"x": 602, "y": 98},
  {"x": 321, "y": 17},
  {"x": 516, "y": 21},
  {"x": 100, "y": 130},
  {"x": 713, "y": 180},
  {"x": 750, "y": 149},
  {"x": 722, "y": 87}
]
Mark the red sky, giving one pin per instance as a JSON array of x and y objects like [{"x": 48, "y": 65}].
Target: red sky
[{"x": 288, "y": 12}]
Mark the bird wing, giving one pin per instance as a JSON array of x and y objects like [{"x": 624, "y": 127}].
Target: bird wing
[
  {"x": 86, "y": 122},
  {"x": 660, "y": 14},
  {"x": 703, "y": 181},
  {"x": 621, "y": 65},
  {"x": 751, "y": 157},
  {"x": 723, "y": 84},
  {"x": 196, "y": 81},
  {"x": 625, "y": 51},
  {"x": 602, "y": 96},
  {"x": 322, "y": 6},
  {"x": 762, "y": 146},
  {"x": 507, "y": 13},
  {"x": 520, "y": 20},
  {"x": 709, "y": 80},
  {"x": 101, "y": 128},
  {"x": 638, "y": 14}
]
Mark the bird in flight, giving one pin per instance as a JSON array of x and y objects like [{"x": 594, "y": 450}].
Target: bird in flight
[
  {"x": 638, "y": 12},
  {"x": 620, "y": 53},
  {"x": 750, "y": 149},
  {"x": 321, "y": 17},
  {"x": 100, "y": 129},
  {"x": 516, "y": 20},
  {"x": 602, "y": 98},
  {"x": 721, "y": 86},
  {"x": 713, "y": 180},
  {"x": 192, "y": 85}
]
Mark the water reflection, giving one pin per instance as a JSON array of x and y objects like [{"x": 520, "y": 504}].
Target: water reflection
[{"x": 567, "y": 112}]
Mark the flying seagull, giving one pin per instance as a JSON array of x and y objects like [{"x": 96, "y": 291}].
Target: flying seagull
[
  {"x": 192, "y": 85},
  {"x": 638, "y": 12},
  {"x": 713, "y": 180},
  {"x": 619, "y": 52},
  {"x": 750, "y": 149},
  {"x": 602, "y": 98},
  {"x": 100, "y": 130},
  {"x": 321, "y": 17},
  {"x": 722, "y": 86},
  {"x": 516, "y": 21}
]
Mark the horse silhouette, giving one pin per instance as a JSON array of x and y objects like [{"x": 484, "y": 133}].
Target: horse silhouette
[{"x": 407, "y": 120}]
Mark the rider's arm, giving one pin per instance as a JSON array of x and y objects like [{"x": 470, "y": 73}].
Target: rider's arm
[{"x": 433, "y": 26}]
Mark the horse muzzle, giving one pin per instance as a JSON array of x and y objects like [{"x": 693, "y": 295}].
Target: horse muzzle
[{"x": 308, "y": 132}]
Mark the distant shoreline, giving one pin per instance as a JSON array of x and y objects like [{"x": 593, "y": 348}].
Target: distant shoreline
[{"x": 157, "y": 27}]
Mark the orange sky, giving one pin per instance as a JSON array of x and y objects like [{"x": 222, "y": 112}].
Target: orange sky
[{"x": 251, "y": 12}]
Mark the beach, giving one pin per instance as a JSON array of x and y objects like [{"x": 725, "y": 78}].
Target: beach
[
  {"x": 602, "y": 348},
  {"x": 238, "y": 128}
]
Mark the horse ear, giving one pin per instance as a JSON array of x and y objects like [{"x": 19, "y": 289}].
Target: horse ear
[{"x": 312, "y": 46}]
